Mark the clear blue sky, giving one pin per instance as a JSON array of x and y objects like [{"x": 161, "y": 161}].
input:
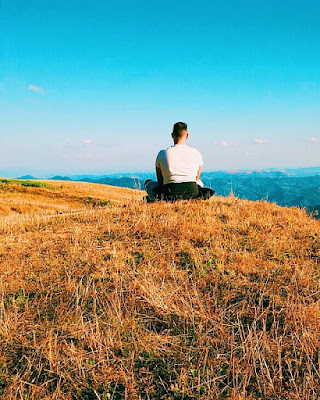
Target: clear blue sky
[{"x": 95, "y": 86}]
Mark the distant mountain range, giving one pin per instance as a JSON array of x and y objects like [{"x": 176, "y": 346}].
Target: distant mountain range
[{"x": 287, "y": 187}]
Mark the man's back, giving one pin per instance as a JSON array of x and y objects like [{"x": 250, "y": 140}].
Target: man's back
[
  {"x": 179, "y": 163},
  {"x": 178, "y": 170}
]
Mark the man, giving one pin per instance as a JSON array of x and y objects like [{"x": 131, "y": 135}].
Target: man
[{"x": 178, "y": 170}]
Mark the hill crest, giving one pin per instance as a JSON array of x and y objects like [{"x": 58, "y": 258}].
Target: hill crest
[{"x": 202, "y": 299}]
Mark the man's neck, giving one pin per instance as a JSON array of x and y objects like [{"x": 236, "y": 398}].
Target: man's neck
[{"x": 180, "y": 142}]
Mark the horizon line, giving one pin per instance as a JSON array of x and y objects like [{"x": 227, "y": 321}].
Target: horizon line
[{"x": 110, "y": 173}]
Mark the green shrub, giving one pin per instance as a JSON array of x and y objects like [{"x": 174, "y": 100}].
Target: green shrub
[{"x": 18, "y": 182}]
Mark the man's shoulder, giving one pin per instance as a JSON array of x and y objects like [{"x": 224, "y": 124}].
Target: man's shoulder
[
  {"x": 194, "y": 150},
  {"x": 161, "y": 157},
  {"x": 169, "y": 149},
  {"x": 198, "y": 155},
  {"x": 162, "y": 152}
]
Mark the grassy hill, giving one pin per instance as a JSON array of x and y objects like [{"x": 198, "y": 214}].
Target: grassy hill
[
  {"x": 314, "y": 211},
  {"x": 105, "y": 297}
]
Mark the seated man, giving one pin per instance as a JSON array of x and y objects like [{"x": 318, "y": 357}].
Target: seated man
[{"x": 178, "y": 171}]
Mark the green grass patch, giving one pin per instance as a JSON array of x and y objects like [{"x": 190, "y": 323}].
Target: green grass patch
[
  {"x": 97, "y": 203},
  {"x": 26, "y": 183}
]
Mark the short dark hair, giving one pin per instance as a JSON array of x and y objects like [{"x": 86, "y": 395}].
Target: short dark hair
[{"x": 178, "y": 127}]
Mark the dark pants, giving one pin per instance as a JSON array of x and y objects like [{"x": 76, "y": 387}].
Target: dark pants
[{"x": 178, "y": 191}]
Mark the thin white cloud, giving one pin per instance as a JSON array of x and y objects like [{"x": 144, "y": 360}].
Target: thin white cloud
[
  {"x": 314, "y": 139},
  {"x": 88, "y": 142},
  {"x": 35, "y": 88},
  {"x": 260, "y": 141},
  {"x": 224, "y": 143}
]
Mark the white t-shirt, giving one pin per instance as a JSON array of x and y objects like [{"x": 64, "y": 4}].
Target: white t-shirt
[{"x": 179, "y": 163}]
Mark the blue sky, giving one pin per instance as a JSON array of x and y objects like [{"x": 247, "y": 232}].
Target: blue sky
[{"x": 96, "y": 86}]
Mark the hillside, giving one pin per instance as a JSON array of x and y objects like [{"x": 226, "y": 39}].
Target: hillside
[
  {"x": 105, "y": 297},
  {"x": 298, "y": 187},
  {"x": 30, "y": 197}
]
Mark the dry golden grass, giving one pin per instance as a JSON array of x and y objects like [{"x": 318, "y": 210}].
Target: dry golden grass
[
  {"x": 210, "y": 299},
  {"x": 34, "y": 204},
  {"x": 59, "y": 196}
]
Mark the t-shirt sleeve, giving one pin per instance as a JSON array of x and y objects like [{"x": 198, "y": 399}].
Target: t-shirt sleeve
[{"x": 158, "y": 159}]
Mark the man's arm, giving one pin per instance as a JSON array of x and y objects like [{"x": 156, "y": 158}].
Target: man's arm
[
  {"x": 159, "y": 175},
  {"x": 158, "y": 167},
  {"x": 200, "y": 165},
  {"x": 199, "y": 173}
]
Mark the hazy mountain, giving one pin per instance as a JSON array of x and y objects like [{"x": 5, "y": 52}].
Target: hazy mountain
[
  {"x": 273, "y": 172},
  {"x": 61, "y": 178},
  {"x": 134, "y": 183},
  {"x": 27, "y": 177},
  {"x": 285, "y": 191}
]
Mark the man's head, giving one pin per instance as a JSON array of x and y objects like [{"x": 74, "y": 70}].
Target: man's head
[{"x": 180, "y": 132}]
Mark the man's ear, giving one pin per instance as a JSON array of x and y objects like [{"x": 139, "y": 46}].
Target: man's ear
[{"x": 187, "y": 135}]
